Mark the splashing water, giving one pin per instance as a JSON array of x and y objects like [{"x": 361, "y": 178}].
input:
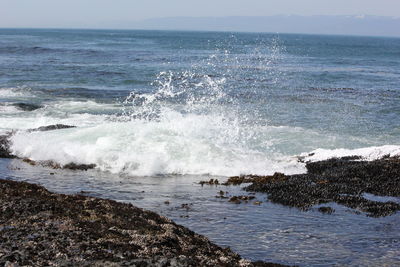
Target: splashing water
[
  {"x": 192, "y": 123},
  {"x": 165, "y": 104},
  {"x": 214, "y": 117}
]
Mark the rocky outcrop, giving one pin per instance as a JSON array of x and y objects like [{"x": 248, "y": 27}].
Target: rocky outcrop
[
  {"x": 27, "y": 106},
  {"x": 5, "y": 146},
  {"x": 39, "y": 228},
  {"x": 340, "y": 180},
  {"x": 55, "y": 165}
]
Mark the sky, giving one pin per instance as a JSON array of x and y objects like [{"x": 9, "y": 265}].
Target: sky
[{"x": 105, "y": 13}]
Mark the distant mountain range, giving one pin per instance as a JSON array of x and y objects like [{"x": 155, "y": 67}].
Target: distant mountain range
[{"x": 346, "y": 25}]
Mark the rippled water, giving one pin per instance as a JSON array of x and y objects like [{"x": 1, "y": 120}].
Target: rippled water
[{"x": 267, "y": 232}]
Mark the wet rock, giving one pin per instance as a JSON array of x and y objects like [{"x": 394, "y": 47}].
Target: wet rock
[
  {"x": 80, "y": 167},
  {"x": 238, "y": 180},
  {"x": 29, "y": 161},
  {"x": 327, "y": 210},
  {"x": 235, "y": 200},
  {"x": 54, "y": 165},
  {"x": 340, "y": 180},
  {"x": 73, "y": 230},
  {"x": 26, "y": 106},
  {"x": 5, "y": 146},
  {"x": 51, "y": 128},
  {"x": 210, "y": 182},
  {"x": 239, "y": 199}
]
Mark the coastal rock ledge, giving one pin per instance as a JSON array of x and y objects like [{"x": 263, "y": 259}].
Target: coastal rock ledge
[{"x": 40, "y": 228}]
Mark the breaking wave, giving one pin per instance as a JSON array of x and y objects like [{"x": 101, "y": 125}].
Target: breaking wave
[{"x": 200, "y": 121}]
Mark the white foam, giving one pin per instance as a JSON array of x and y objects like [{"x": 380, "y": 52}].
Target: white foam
[
  {"x": 173, "y": 144},
  {"x": 14, "y": 92},
  {"x": 8, "y": 109},
  {"x": 76, "y": 113},
  {"x": 31, "y": 120},
  {"x": 182, "y": 128},
  {"x": 367, "y": 153},
  {"x": 81, "y": 107}
]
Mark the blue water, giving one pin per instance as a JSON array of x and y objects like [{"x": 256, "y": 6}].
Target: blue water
[
  {"x": 325, "y": 83},
  {"x": 158, "y": 111}
]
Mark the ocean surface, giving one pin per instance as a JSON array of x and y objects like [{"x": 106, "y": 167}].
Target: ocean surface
[{"x": 158, "y": 111}]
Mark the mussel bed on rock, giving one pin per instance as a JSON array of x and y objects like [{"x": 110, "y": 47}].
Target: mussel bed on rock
[
  {"x": 41, "y": 228},
  {"x": 340, "y": 180}
]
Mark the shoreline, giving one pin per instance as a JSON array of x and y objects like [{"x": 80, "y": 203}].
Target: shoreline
[
  {"x": 42, "y": 228},
  {"x": 348, "y": 181}
]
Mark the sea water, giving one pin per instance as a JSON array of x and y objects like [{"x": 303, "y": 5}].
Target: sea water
[{"x": 159, "y": 111}]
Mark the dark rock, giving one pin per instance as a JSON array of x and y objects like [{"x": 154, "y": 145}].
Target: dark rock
[
  {"x": 73, "y": 230},
  {"x": 235, "y": 200},
  {"x": 80, "y": 167},
  {"x": 5, "y": 146},
  {"x": 327, "y": 210},
  {"x": 237, "y": 180},
  {"x": 210, "y": 182},
  {"x": 342, "y": 180},
  {"x": 26, "y": 106},
  {"x": 51, "y": 128},
  {"x": 239, "y": 199},
  {"x": 55, "y": 165},
  {"x": 29, "y": 161}
]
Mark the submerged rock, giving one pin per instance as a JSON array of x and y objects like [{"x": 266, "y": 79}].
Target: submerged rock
[
  {"x": 327, "y": 210},
  {"x": 209, "y": 182},
  {"x": 51, "y": 128},
  {"x": 340, "y": 180},
  {"x": 26, "y": 106},
  {"x": 39, "y": 228}
]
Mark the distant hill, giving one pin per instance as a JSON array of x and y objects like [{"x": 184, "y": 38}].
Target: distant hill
[{"x": 347, "y": 25}]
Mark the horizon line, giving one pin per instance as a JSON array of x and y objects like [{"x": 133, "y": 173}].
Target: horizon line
[{"x": 196, "y": 30}]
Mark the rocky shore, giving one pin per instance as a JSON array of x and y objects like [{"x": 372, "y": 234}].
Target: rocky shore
[
  {"x": 40, "y": 228},
  {"x": 345, "y": 181}
]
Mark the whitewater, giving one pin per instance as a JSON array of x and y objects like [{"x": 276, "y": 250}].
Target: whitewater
[
  {"x": 240, "y": 105},
  {"x": 160, "y": 140},
  {"x": 157, "y": 112}
]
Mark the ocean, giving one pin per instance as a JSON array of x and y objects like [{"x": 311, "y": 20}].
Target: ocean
[{"x": 158, "y": 111}]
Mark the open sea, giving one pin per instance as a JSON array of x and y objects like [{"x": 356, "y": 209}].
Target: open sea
[{"x": 158, "y": 111}]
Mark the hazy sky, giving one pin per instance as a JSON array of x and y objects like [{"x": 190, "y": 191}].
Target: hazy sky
[{"x": 100, "y": 13}]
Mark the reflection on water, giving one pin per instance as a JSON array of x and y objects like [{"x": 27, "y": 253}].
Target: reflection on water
[{"x": 267, "y": 232}]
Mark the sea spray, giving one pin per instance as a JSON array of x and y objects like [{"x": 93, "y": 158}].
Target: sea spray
[{"x": 236, "y": 109}]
